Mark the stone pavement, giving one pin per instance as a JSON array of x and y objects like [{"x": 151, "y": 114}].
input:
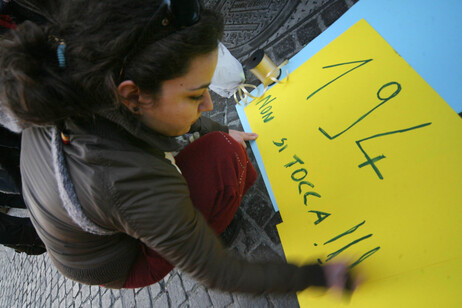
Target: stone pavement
[{"x": 281, "y": 28}]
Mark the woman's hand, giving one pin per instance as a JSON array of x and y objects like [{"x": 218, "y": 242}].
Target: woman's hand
[
  {"x": 242, "y": 137},
  {"x": 339, "y": 278}
]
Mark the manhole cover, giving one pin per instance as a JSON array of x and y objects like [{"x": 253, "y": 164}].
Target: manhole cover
[{"x": 249, "y": 23}]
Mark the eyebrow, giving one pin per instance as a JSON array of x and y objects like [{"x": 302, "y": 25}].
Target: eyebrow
[{"x": 204, "y": 86}]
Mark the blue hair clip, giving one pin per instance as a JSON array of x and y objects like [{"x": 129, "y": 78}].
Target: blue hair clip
[{"x": 60, "y": 53}]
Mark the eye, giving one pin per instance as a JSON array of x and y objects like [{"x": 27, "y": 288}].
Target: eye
[{"x": 197, "y": 98}]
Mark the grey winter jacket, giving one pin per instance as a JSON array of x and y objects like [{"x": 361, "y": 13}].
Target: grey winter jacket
[{"x": 126, "y": 186}]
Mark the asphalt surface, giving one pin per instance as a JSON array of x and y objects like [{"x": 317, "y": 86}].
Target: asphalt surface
[{"x": 281, "y": 28}]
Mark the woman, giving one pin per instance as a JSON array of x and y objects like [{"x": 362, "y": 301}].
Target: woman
[{"x": 103, "y": 92}]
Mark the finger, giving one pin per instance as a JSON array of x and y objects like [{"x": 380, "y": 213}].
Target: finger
[
  {"x": 243, "y": 144},
  {"x": 358, "y": 279},
  {"x": 250, "y": 136},
  {"x": 336, "y": 275},
  {"x": 350, "y": 283}
]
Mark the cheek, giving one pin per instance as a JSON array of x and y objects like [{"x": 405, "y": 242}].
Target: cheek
[{"x": 189, "y": 110}]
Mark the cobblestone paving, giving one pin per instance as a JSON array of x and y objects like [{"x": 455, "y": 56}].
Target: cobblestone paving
[{"x": 281, "y": 28}]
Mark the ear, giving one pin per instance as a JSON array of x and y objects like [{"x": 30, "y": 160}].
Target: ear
[{"x": 130, "y": 95}]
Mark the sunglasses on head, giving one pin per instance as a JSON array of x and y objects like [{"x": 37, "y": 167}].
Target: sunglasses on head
[
  {"x": 185, "y": 12},
  {"x": 179, "y": 13}
]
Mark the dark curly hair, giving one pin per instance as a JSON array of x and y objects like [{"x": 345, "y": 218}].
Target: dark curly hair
[{"x": 98, "y": 36}]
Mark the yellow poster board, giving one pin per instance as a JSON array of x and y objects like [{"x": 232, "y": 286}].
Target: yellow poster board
[{"x": 365, "y": 162}]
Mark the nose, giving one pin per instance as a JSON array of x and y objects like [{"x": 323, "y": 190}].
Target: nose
[{"x": 206, "y": 104}]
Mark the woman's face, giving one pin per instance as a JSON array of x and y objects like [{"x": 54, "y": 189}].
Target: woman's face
[{"x": 181, "y": 100}]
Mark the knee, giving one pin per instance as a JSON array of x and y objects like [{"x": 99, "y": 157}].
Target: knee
[
  {"x": 223, "y": 142},
  {"x": 216, "y": 150},
  {"x": 221, "y": 148}
]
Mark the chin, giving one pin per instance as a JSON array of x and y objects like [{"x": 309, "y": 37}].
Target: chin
[{"x": 180, "y": 133}]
